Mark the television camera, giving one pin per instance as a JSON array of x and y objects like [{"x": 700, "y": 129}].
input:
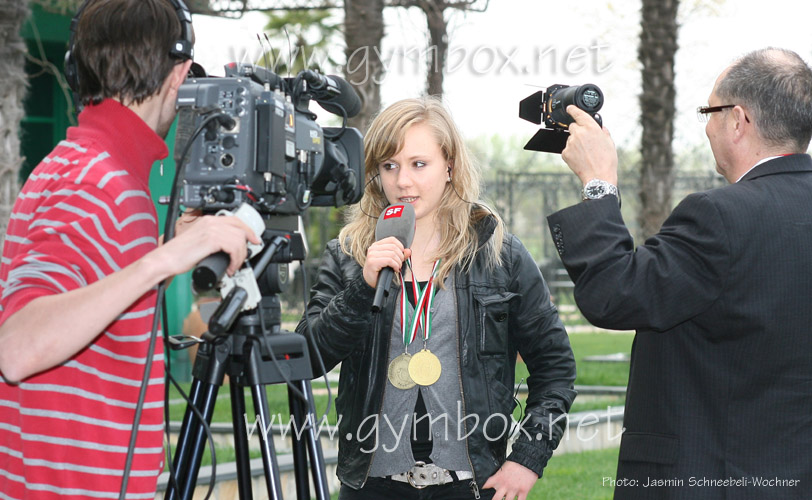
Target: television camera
[{"x": 248, "y": 146}]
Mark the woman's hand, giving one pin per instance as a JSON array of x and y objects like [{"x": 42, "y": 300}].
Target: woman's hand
[{"x": 388, "y": 252}]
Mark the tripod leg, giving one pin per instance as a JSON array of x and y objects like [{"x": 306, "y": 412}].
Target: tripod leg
[
  {"x": 297, "y": 413},
  {"x": 180, "y": 462},
  {"x": 272, "y": 479},
  {"x": 192, "y": 436},
  {"x": 317, "y": 465},
  {"x": 243, "y": 459},
  {"x": 192, "y": 442}
]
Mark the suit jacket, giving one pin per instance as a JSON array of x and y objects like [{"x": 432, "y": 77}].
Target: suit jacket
[{"x": 719, "y": 403}]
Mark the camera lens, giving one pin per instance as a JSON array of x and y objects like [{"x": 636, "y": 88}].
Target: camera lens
[
  {"x": 588, "y": 97},
  {"x": 591, "y": 99}
]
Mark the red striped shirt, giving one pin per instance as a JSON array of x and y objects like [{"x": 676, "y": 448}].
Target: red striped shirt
[{"x": 84, "y": 213}]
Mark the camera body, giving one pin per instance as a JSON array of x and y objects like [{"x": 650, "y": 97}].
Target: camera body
[
  {"x": 550, "y": 106},
  {"x": 265, "y": 148}
]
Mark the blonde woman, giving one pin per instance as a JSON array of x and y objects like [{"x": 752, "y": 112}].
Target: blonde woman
[{"x": 426, "y": 389}]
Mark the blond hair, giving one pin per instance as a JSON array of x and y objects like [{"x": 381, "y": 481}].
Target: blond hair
[{"x": 459, "y": 215}]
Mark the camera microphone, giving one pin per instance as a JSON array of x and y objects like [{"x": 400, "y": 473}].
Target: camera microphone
[
  {"x": 398, "y": 221},
  {"x": 333, "y": 93}
]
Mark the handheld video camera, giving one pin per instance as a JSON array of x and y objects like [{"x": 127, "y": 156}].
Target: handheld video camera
[
  {"x": 550, "y": 106},
  {"x": 264, "y": 147}
]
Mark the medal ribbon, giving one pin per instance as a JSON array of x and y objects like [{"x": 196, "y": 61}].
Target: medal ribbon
[{"x": 422, "y": 310}]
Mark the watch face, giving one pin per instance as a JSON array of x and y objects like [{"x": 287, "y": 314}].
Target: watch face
[{"x": 595, "y": 191}]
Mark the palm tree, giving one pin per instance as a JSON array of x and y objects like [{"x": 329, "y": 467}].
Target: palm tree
[
  {"x": 13, "y": 85},
  {"x": 658, "y": 45},
  {"x": 363, "y": 33}
]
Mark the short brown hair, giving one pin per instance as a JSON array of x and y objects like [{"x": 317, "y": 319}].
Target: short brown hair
[{"x": 122, "y": 49}]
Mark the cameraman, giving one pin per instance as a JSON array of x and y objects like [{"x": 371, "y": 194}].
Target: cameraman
[
  {"x": 80, "y": 266},
  {"x": 719, "y": 390}
]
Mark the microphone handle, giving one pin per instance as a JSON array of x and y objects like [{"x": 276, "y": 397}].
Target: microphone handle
[
  {"x": 384, "y": 279},
  {"x": 208, "y": 271}
]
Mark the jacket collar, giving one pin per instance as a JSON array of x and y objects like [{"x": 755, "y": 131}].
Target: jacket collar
[
  {"x": 781, "y": 165},
  {"x": 484, "y": 227}
]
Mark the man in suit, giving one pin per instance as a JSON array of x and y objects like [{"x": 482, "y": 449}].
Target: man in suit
[{"x": 719, "y": 403}]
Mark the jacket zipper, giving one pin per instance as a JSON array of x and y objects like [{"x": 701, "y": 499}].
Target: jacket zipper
[{"x": 473, "y": 485}]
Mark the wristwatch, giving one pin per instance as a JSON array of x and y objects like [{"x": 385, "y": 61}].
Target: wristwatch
[{"x": 597, "y": 188}]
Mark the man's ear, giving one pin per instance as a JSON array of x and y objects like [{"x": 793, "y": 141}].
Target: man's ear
[
  {"x": 741, "y": 121},
  {"x": 178, "y": 74}
]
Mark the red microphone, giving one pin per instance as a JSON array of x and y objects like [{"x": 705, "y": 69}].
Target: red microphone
[{"x": 397, "y": 221}]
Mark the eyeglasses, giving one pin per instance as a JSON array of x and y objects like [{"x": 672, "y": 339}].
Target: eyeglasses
[{"x": 703, "y": 112}]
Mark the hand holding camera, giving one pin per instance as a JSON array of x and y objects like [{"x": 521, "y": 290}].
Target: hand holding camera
[
  {"x": 550, "y": 106},
  {"x": 590, "y": 151}
]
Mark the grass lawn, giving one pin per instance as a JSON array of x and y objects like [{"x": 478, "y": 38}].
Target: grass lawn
[
  {"x": 595, "y": 373},
  {"x": 592, "y": 344},
  {"x": 577, "y": 475},
  {"x": 583, "y": 345}
]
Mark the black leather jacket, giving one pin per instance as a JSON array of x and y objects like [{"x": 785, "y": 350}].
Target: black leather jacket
[{"x": 499, "y": 311}]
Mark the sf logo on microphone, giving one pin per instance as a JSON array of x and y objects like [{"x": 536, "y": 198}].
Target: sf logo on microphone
[{"x": 391, "y": 212}]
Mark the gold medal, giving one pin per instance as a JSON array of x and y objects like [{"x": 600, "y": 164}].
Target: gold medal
[
  {"x": 425, "y": 368},
  {"x": 399, "y": 372}
]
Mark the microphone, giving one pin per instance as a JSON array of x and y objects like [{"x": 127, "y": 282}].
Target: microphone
[
  {"x": 397, "y": 221},
  {"x": 333, "y": 93}
]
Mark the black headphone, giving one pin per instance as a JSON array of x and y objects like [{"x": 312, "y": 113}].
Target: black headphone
[{"x": 182, "y": 48}]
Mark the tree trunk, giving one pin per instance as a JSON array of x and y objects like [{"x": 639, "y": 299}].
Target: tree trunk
[
  {"x": 438, "y": 45},
  {"x": 658, "y": 44},
  {"x": 13, "y": 84},
  {"x": 363, "y": 32}
]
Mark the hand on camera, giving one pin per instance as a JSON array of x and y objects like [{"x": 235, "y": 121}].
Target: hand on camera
[
  {"x": 200, "y": 236},
  {"x": 388, "y": 252},
  {"x": 590, "y": 151}
]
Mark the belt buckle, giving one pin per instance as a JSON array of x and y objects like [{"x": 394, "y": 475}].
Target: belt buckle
[{"x": 410, "y": 475}]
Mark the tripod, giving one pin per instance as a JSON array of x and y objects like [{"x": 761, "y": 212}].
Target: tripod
[{"x": 253, "y": 354}]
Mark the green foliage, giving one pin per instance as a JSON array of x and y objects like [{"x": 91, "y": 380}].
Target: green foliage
[
  {"x": 301, "y": 39},
  {"x": 65, "y": 7}
]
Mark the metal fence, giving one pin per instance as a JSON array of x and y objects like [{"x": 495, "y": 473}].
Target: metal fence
[{"x": 525, "y": 200}]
